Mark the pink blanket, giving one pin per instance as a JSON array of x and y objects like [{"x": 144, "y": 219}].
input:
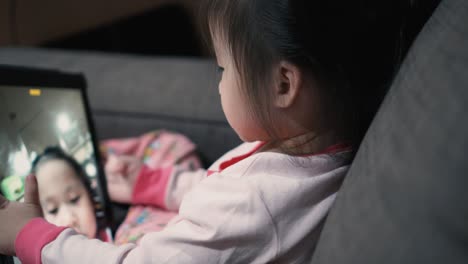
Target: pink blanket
[{"x": 156, "y": 149}]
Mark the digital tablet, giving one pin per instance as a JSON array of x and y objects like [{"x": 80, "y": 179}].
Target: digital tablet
[{"x": 46, "y": 129}]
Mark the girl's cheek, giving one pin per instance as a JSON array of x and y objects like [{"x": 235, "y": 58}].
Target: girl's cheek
[
  {"x": 86, "y": 204},
  {"x": 81, "y": 204},
  {"x": 48, "y": 217}
]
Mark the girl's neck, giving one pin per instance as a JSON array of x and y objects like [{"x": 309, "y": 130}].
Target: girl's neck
[{"x": 305, "y": 144}]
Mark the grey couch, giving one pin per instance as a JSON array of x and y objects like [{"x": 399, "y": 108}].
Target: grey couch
[
  {"x": 404, "y": 199},
  {"x": 131, "y": 95}
]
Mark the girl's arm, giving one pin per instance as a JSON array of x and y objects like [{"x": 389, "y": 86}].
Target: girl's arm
[
  {"x": 162, "y": 187},
  {"x": 130, "y": 181},
  {"x": 233, "y": 226},
  {"x": 165, "y": 187}
]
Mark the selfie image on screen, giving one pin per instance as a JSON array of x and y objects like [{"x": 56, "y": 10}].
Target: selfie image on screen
[{"x": 44, "y": 131}]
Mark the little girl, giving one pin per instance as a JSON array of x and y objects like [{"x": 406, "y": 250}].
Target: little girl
[
  {"x": 300, "y": 82},
  {"x": 65, "y": 192}
]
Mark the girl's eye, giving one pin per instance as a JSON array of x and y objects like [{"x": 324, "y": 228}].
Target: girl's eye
[
  {"x": 220, "y": 69},
  {"x": 53, "y": 211},
  {"x": 75, "y": 200}
]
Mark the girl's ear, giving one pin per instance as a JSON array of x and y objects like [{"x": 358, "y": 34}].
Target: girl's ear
[{"x": 288, "y": 83}]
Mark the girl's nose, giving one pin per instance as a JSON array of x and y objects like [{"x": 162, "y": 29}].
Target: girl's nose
[{"x": 68, "y": 218}]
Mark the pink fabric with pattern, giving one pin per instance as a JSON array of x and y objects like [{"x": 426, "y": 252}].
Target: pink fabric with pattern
[{"x": 158, "y": 149}]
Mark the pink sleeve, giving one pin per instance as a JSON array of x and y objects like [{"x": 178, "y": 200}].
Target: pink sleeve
[
  {"x": 165, "y": 187},
  {"x": 33, "y": 237},
  {"x": 151, "y": 186}
]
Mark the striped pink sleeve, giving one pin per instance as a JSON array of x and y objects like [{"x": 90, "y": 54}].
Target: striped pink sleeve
[
  {"x": 36, "y": 234},
  {"x": 151, "y": 186}
]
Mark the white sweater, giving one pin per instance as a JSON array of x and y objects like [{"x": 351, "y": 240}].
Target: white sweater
[{"x": 264, "y": 207}]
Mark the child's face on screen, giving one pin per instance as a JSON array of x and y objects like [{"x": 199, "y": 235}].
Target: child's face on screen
[
  {"x": 64, "y": 199},
  {"x": 233, "y": 100}
]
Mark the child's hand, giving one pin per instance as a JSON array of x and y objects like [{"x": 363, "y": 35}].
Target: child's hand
[
  {"x": 14, "y": 215},
  {"x": 121, "y": 173}
]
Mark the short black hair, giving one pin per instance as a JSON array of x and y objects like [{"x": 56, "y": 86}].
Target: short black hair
[
  {"x": 352, "y": 48},
  {"x": 56, "y": 153}
]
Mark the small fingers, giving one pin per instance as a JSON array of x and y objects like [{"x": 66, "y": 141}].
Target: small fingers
[{"x": 31, "y": 194}]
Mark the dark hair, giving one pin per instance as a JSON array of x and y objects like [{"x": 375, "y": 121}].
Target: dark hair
[
  {"x": 352, "y": 48},
  {"x": 56, "y": 153}
]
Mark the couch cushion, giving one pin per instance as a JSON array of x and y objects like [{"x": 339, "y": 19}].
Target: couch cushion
[
  {"x": 405, "y": 199},
  {"x": 130, "y": 95}
]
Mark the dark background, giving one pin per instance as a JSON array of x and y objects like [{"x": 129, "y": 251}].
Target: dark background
[{"x": 167, "y": 31}]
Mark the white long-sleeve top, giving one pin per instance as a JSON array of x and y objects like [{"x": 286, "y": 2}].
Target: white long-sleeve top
[{"x": 252, "y": 208}]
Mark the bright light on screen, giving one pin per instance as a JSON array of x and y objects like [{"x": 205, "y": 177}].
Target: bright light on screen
[
  {"x": 63, "y": 123},
  {"x": 21, "y": 164},
  {"x": 91, "y": 169}
]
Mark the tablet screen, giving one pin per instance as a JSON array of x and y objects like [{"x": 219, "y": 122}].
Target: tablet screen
[{"x": 46, "y": 131}]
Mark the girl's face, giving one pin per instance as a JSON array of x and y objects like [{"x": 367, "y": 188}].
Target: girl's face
[
  {"x": 233, "y": 100},
  {"x": 64, "y": 199}
]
